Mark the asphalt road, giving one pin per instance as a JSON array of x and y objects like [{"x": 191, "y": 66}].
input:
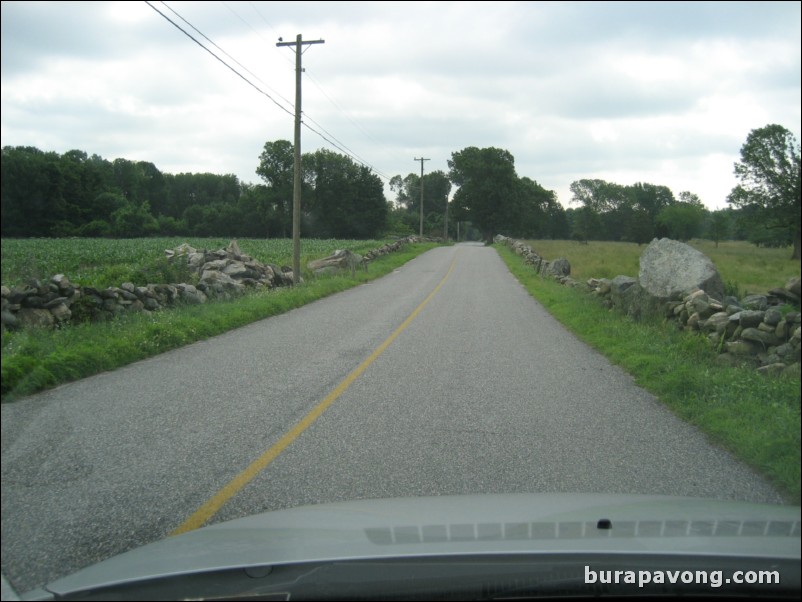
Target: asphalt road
[{"x": 480, "y": 392}]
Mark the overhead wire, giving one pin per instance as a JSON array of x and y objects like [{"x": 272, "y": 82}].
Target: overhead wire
[
  {"x": 226, "y": 53},
  {"x": 237, "y": 73},
  {"x": 330, "y": 138}
]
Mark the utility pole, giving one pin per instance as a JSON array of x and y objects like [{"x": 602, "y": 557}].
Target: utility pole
[
  {"x": 421, "y": 192},
  {"x": 296, "y": 169},
  {"x": 445, "y": 227}
]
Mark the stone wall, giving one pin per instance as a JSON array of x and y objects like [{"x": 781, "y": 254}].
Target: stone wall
[
  {"x": 222, "y": 274},
  {"x": 751, "y": 331}
]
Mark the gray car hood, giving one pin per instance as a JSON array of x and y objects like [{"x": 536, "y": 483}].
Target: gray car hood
[{"x": 462, "y": 525}]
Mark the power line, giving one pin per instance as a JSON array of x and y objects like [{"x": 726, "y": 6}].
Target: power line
[
  {"x": 237, "y": 73},
  {"x": 330, "y": 139},
  {"x": 226, "y": 53}
]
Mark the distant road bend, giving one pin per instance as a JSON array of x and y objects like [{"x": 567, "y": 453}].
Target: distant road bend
[{"x": 444, "y": 377}]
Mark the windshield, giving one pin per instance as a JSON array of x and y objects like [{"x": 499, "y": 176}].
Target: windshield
[{"x": 147, "y": 397}]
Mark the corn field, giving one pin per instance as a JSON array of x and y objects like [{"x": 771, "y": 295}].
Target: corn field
[{"x": 109, "y": 262}]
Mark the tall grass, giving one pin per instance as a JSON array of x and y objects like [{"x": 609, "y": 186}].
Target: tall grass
[{"x": 752, "y": 269}]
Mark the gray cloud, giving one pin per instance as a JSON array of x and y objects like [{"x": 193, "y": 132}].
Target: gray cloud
[{"x": 658, "y": 91}]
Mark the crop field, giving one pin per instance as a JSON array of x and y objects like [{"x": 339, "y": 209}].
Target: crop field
[
  {"x": 744, "y": 268},
  {"x": 110, "y": 262}
]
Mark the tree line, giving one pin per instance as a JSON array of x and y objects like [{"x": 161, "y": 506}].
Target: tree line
[
  {"x": 764, "y": 207},
  {"x": 50, "y": 195},
  {"x": 45, "y": 194}
]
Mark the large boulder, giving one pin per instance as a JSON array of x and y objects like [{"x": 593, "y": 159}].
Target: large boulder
[
  {"x": 339, "y": 260},
  {"x": 670, "y": 269}
]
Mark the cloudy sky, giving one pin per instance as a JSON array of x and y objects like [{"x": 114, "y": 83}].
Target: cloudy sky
[{"x": 659, "y": 92}]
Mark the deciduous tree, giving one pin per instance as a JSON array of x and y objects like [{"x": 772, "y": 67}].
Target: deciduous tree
[{"x": 769, "y": 172}]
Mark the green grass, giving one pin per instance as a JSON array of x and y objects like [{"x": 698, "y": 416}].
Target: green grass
[
  {"x": 742, "y": 265},
  {"x": 757, "y": 418},
  {"x": 37, "y": 359}
]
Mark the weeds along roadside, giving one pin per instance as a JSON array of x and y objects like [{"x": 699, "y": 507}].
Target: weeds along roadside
[
  {"x": 756, "y": 418},
  {"x": 36, "y": 360}
]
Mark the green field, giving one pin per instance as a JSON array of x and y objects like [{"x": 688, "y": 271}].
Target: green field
[
  {"x": 102, "y": 262},
  {"x": 742, "y": 265}
]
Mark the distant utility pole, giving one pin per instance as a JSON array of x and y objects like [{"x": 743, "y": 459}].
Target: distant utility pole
[
  {"x": 421, "y": 193},
  {"x": 445, "y": 227},
  {"x": 296, "y": 169}
]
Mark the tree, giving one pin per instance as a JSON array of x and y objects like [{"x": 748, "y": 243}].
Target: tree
[
  {"x": 488, "y": 192},
  {"x": 769, "y": 171},
  {"x": 436, "y": 188},
  {"x": 682, "y": 221},
  {"x": 585, "y": 223},
  {"x": 276, "y": 164},
  {"x": 719, "y": 225},
  {"x": 347, "y": 200}
]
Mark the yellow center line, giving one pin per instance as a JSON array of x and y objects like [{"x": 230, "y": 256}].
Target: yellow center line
[{"x": 210, "y": 508}]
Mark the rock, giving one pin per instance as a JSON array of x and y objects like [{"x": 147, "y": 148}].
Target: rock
[
  {"x": 669, "y": 269},
  {"x": 560, "y": 267},
  {"x": 9, "y": 320},
  {"x": 34, "y": 302},
  {"x": 755, "y": 302},
  {"x": 127, "y": 295},
  {"x": 741, "y": 348},
  {"x": 182, "y": 249},
  {"x": 191, "y": 295},
  {"x": 195, "y": 261},
  {"x": 701, "y": 304},
  {"x": 604, "y": 286},
  {"x": 767, "y": 339},
  {"x": 787, "y": 353},
  {"x": 216, "y": 264},
  {"x": 748, "y": 318},
  {"x": 37, "y": 318},
  {"x": 234, "y": 250},
  {"x": 793, "y": 286},
  {"x": 220, "y": 282},
  {"x": 772, "y": 369},
  {"x": 61, "y": 312},
  {"x": 238, "y": 270},
  {"x": 772, "y": 317},
  {"x": 784, "y": 296},
  {"x": 341, "y": 259},
  {"x": 717, "y": 322}
]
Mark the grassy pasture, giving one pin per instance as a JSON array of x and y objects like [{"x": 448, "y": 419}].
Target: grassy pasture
[{"x": 742, "y": 265}]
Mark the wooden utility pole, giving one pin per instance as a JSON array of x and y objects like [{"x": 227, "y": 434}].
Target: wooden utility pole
[
  {"x": 421, "y": 193},
  {"x": 445, "y": 228},
  {"x": 296, "y": 169}
]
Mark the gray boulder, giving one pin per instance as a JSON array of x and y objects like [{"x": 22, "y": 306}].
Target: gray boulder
[
  {"x": 560, "y": 267},
  {"x": 669, "y": 269},
  {"x": 339, "y": 260}
]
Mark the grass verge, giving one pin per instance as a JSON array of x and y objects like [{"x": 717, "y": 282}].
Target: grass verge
[
  {"x": 38, "y": 359},
  {"x": 756, "y": 418}
]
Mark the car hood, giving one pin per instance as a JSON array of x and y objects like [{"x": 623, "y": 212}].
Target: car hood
[{"x": 461, "y": 525}]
